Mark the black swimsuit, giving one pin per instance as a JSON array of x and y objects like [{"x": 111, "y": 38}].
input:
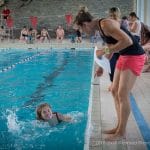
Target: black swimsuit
[
  {"x": 24, "y": 35},
  {"x": 134, "y": 49},
  {"x": 57, "y": 117},
  {"x": 78, "y": 33},
  {"x": 55, "y": 120}
]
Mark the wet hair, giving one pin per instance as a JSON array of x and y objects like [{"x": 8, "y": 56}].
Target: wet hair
[
  {"x": 133, "y": 14},
  {"x": 39, "y": 110},
  {"x": 115, "y": 11},
  {"x": 83, "y": 16}
]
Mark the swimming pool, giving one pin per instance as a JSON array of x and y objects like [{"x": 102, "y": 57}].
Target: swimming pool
[{"x": 28, "y": 78}]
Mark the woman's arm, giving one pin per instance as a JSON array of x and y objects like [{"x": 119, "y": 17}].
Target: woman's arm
[
  {"x": 48, "y": 35},
  {"x": 63, "y": 32},
  {"x": 57, "y": 32},
  {"x": 134, "y": 27},
  {"x": 146, "y": 46},
  {"x": 112, "y": 28},
  {"x": 20, "y": 34}
]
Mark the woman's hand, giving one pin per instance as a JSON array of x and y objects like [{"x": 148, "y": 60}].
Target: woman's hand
[
  {"x": 146, "y": 47},
  {"x": 99, "y": 53},
  {"x": 98, "y": 72}
]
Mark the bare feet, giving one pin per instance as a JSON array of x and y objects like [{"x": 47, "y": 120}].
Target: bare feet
[
  {"x": 112, "y": 131},
  {"x": 115, "y": 137}
]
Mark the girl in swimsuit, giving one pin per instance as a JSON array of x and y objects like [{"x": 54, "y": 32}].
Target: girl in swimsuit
[
  {"x": 44, "y": 113},
  {"x": 44, "y": 35},
  {"x": 60, "y": 34},
  {"x": 24, "y": 34}
]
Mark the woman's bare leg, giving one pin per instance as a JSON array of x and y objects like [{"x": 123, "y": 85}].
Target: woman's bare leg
[
  {"x": 114, "y": 90},
  {"x": 126, "y": 82}
]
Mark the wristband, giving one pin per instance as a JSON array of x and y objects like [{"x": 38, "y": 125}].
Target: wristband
[{"x": 106, "y": 50}]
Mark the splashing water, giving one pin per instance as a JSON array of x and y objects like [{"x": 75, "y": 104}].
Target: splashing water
[{"x": 12, "y": 121}]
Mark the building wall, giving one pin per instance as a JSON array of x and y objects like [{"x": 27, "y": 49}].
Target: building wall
[
  {"x": 143, "y": 11},
  {"x": 51, "y": 12}
]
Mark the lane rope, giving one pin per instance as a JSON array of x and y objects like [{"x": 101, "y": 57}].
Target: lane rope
[{"x": 21, "y": 62}]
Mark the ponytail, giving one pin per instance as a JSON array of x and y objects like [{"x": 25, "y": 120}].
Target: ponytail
[{"x": 83, "y": 16}]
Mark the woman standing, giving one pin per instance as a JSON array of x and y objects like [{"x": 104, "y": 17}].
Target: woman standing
[{"x": 128, "y": 67}]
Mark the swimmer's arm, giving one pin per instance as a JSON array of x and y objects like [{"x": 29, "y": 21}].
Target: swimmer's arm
[{"x": 64, "y": 117}]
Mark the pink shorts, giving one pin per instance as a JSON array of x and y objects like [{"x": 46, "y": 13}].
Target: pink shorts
[{"x": 135, "y": 63}]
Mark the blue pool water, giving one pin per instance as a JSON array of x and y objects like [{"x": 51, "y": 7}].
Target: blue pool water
[{"x": 61, "y": 79}]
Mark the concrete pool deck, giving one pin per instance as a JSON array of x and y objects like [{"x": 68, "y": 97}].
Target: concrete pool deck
[
  {"x": 103, "y": 116},
  {"x": 47, "y": 45},
  {"x": 102, "y": 109}
]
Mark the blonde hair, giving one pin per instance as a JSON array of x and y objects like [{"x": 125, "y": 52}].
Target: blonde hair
[
  {"x": 39, "y": 110},
  {"x": 115, "y": 11},
  {"x": 83, "y": 16}
]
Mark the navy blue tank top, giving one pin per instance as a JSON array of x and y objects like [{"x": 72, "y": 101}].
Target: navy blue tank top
[{"x": 134, "y": 49}]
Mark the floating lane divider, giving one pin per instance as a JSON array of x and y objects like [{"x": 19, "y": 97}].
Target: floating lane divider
[{"x": 21, "y": 62}]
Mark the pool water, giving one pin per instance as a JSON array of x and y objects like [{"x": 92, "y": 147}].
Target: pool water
[{"x": 61, "y": 79}]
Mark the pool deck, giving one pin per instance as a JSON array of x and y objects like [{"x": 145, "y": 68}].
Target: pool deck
[
  {"x": 46, "y": 45},
  {"x": 101, "y": 109},
  {"x": 103, "y": 116}
]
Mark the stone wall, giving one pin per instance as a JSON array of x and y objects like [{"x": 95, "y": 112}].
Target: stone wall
[{"x": 51, "y": 13}]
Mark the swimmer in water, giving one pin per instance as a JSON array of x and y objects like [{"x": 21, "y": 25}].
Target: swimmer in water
[{"x": 44, "y": 113}]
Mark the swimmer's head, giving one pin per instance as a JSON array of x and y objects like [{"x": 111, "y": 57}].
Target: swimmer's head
[{"x": 44, "y": 112}]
